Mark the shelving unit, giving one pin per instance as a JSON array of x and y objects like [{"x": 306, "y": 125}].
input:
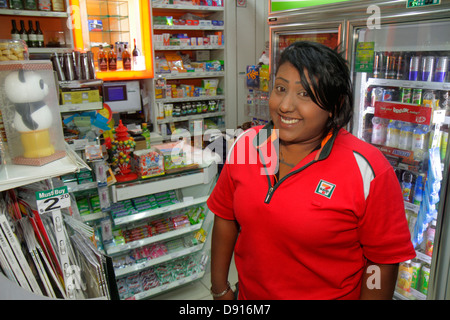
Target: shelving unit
[{"x": 216, "y": 119}]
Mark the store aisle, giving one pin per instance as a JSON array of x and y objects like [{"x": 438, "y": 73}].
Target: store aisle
[{"x": 199, "y": 290}]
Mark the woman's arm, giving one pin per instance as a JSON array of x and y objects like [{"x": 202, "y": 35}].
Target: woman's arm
[
  {"x": 378, "y": 282},
  {"x": 224, "y": 237}
]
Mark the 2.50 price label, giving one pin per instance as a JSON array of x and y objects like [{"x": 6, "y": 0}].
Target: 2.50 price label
[{"x": 50, "y": 200}]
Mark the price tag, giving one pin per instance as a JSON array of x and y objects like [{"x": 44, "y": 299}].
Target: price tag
[{"x": 50, "y": 200}]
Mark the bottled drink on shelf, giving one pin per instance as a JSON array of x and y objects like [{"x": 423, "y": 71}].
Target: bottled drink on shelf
[
  {"x": 146, "y": 135},
  {"x": 102, "y": 59},
  {"x": 378, "y": 131},
  {"x": 39, "y": 35},
  {"x": 14, "y": 31},
  {"x": 406, "y": 136},
  {"x": 112, "y": 59},
  {"x": 393, "y": 133},
  {"x": 23, "y": 32},
  {"x": 32, "y": 39},
  {"x": 136, "y": 54},
  {"x": 30, "y": 4},
  {"x": 126, "y": 58},
  {"x": 45, "y": 5},
  {"x": 58, "y": 5},
  {"x": 406, "y": 185},
  {"x": 419, "y": 144}
]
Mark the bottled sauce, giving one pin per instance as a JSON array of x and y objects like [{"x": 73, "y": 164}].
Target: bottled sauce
[
  {"x": 146, "y": 135},
  {"x": 406, "y": 136},
  {"x": 30, "y": 4},
  {"x": 126, "y": 58},
  {"x": 406, "y": 185},
  {"x": 112, "y": 59},
  {"x": 102, "y": 59},
  {"x": 39, "y": 36},
  {"x": 58, "y": 5},
  {"x": 14, "y": 31},
  {"x": 23, "y": 32},
  {"x": 419, "y": 142},
  {"x": 32, "y": 39},
  {"x": 136, "y": 54},
  {"x": 378, "y": 131},
  {"x": 431, "y": 231},
  {"x": 393, "y": 133}
]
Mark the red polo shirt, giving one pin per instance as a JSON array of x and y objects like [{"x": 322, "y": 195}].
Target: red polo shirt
[{"x": 309, "y": 235}]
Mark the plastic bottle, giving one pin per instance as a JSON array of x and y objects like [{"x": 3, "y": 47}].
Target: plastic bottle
[
  {"x": 378, "y": 131},
  {"x": 146, "y": 135},
  {"x": 419, "y": 142},
  {"x": 406, "y": 185},
  {"x": 418, "y": 191},
  {"x": 393, "y": 133},
  {"x": 431, "y": 231},
  {"x": 406, "y": 136}
]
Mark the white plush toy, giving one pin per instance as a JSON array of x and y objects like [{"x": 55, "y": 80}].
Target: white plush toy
[{"x": 33, "y": 117}]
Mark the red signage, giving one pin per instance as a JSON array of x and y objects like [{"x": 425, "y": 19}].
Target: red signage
[{"x": 403, "y": 112}]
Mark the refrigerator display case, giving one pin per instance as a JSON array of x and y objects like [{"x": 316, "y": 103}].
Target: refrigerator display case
[
  {"x": 402, "y": 106},
  {"x": 399, "y": 54}
]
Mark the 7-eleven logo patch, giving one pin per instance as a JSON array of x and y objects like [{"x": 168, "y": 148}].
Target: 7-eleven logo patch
[{"x": 325, "y": 189}]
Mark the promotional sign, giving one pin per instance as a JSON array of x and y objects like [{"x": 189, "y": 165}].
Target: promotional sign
[{"x": 403, "y": 112}]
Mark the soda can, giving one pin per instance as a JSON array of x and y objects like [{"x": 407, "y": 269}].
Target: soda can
[
  {"x": 414, "y": 68},
  {"x": 391, "y": 71},
  {"x": 428, "y": 68},
  {"x": 405, "y": 95},
  {"x": 377, "y": 95},
  {"x": 441, "y": 69},
  {"x": 389, "y": 94},
  {"x": 378, "y": 65},
  {"x": 424, "y": 279},
  {"x": 400, "y": 64},
  {"x": 417, "y": 96}
]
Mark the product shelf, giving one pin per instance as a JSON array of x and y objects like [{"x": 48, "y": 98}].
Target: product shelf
[
  {"x": 33, "y": 13},
  {"x": 13, "y": 176},
  {"x": 185, "y": 7},
  {"x": 166, "y": 287},
  {"x": 151, "y": 213},
  {"x": 114, "y": 250},
  {"x": 149, "y": 263},
  {"x": 409, "y": 84},
  {"x": 191, "y": 117},
  {"x": 191, "y": 75}
]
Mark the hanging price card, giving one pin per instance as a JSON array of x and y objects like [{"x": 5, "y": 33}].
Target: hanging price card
[
  {"x": 51, "y": 200},
  {"x": 364, "y": 57}
]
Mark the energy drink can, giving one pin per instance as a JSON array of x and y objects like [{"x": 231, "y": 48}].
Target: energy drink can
[
  {"x": 378, "y": 65},
  {"x": 441, "y": 69},
  {"x": 391, "y": 70},
  {"x": 405, "y": 95},
  {"x": 417, "y": 96},
  {"x": 400, "y": 65},
  {"x": 414, "y": 68},
  {"x": 428, "y": 68}
]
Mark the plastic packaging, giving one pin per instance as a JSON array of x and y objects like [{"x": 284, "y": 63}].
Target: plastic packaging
[
  {"x": 393, "y": 133},
  {"x": 406, "y": 136}
]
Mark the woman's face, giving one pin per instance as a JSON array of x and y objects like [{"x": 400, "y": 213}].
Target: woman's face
[{"x": 295, "y": 115}]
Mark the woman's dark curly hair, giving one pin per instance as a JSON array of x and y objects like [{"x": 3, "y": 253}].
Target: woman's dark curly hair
[{"x": 328, "y": 82}]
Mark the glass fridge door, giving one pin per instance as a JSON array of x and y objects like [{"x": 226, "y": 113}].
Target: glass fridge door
[
  {"x": 402, "y": 86},
  {"x": 283, "y": 36}
]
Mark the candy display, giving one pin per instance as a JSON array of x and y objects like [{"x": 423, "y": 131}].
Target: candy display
[
  {"x": 121, "y": 148},
  {"x": 148, "y": 163}
]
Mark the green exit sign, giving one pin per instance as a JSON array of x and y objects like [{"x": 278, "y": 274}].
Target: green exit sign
[{"x": 421, "y": 3}]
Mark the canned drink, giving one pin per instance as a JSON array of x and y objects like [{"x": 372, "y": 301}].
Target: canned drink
[
  {"x": 424, "y": 279},
  {"x": 377, "y": 95},
  {"x": 405, "y": 95},
  {"x": 441, "y": 69},
  {"x": 428, "y": 68},
  {"x": 389, "y": 94},
  {"x": 400, "y": 66},
  {"x": 391, "y": 71},
  {"x": 378, "y": 65},
  {"x": 417, "y": 96},
  {"x": 414, "y": 68}
]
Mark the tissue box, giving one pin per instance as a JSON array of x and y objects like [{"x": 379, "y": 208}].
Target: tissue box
[
  {"x": 30, "y": 109},
  {"x": 148, "y": 163}
]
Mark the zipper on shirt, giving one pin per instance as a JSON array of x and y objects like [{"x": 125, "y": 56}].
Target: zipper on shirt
[{"x": 272, "y": 188}]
